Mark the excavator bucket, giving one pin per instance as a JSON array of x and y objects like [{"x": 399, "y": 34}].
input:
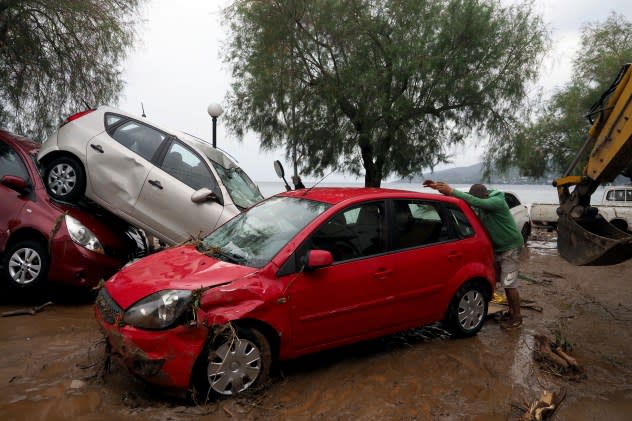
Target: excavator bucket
[{"x": 592, "y": 243}]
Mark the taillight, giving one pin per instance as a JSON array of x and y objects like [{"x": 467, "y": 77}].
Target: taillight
[{"x": 75, "y": 116}]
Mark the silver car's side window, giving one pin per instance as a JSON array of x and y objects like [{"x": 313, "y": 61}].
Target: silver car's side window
[
  {"x": 183, "y": 164},
  {"x": 139, "y": 138}
]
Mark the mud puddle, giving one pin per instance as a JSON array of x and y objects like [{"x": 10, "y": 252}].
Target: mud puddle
[{"x": 51, "y": 365}]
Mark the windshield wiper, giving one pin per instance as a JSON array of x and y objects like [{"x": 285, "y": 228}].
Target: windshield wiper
[{"x": 224, "y": 255}]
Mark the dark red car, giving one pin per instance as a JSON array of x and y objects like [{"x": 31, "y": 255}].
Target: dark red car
[
  {"x": 298, "y": 273},
  {"x": 42, "y": 239}
]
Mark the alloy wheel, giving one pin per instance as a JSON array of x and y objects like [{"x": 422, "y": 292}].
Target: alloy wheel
[
  {"x": 234, "y": 366},
  {"x": 25, "y": 266},
  {"x": 62, "y": 179},
  {"x": 471, "y": 309}
]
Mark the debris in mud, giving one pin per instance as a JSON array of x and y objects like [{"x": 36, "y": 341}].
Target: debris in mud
[
  {"x": 544, "y": 407},
  {"x": 554, "y": 359},
  {"x": 27, "y": 311}
]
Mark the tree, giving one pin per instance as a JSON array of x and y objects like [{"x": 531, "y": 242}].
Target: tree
[
  {"x": 552, "y": 139},
  {"x": 56, "y": 56},
  {"x": 383, "y": 86}
]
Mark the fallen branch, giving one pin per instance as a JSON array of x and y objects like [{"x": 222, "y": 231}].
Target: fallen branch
[
  {"x": 27, "y": 311},
  {"x": 545, "y": 406},
  {"x": 555, "y": 360}
]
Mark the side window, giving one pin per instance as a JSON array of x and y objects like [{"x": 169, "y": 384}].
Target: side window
[
  {"x": 460, "y": 222},
  {"x": 619, "y": 195},
  {"x": 628, "y": 195},
  {"x": 139, "y": 138},
  {"x": 512, "y": 201},
  {"x": 418, "y": 223},
  {"x": 610, "y": 195},
  {"x": 353, "y": 233},
  {"x": 112, "y": 119},
  {"x": 183, "y": 164},
  {"x": 10, "y": 163}
]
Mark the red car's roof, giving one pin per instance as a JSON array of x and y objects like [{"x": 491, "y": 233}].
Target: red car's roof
[
  {"x": 21, "y": 142},
  {"x": 334, "y": 195}
]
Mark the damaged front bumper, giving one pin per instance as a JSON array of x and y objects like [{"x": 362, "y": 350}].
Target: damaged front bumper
[{"x": 162, "y": 357}]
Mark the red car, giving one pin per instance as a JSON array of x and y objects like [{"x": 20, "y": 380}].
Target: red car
[
  {"x": 42, "y": 239},
  {"x": 298, "y": 273}
]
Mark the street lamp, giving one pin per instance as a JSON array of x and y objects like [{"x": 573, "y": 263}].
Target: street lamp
[{"x": 214, "y": 110}]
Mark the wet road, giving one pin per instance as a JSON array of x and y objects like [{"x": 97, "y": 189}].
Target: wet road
[{"x": 51, "y": 364}]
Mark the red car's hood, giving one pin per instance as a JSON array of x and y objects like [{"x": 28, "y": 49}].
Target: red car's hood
[{"x": 177, "y": 268}]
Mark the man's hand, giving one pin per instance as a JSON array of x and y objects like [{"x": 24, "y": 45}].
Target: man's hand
[
  {"x": 443, "y": 188},
  {"x": 429, "y": 183}
]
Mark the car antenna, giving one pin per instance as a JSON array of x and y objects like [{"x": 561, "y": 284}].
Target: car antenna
[
  {"x": 143, "y": 108},
  {"x": 318, "y": 182},
  {"x": 86, "y": 104}
]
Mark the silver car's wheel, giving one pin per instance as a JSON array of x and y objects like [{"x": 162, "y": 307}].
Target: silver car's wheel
[
  {"x": 471, "y": 309},
  {"x": 26, "y": 264},
  {"x": 468, "y": 309},
  {"x": 62, "y": 178},
  {"x": 65, "y": 178},
  {"x": 238, "y": 362}
]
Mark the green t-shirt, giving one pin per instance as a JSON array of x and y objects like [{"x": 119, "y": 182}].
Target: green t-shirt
[{"x": 496, "y": 218}]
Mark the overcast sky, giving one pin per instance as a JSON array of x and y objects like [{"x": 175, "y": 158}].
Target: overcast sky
[{"x": 176, "y": 70}]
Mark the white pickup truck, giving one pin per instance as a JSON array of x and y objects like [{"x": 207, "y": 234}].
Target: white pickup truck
[{"x": 615, "y": 207}]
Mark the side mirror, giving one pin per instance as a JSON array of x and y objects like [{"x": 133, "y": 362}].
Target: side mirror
[
  {"x": 278, "y": 167},
  {"x": 318, "y": 259},
  {"x": 18, "y": 184},
  {"x": 203, "y": 195}
]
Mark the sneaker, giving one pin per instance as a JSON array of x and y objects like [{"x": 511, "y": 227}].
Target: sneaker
[{"x": 511, "y": 323}]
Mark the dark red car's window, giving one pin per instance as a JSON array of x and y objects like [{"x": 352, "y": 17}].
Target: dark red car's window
[{"x": 10, "y": 163}]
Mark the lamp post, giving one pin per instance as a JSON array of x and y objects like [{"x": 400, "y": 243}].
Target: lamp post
[{"x": 214, "y": 110}]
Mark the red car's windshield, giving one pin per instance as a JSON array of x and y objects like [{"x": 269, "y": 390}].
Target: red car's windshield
[{"x": 254, "y": 237}]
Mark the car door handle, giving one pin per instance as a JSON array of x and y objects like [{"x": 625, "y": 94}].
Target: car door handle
[
  {"x": 382, "y": 273},
  {"x": 453, "y": 256},
  {"x": 97, "y": 148},
  {"x": 155, "y": 183}
]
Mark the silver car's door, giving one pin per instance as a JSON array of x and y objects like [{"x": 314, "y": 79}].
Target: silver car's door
[
  {"x": 118, "y": 163},
  {"x": 165, "y": 204}
]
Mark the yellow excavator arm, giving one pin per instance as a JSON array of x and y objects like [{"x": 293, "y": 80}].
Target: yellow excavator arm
[{"x": 584, "y": 237}]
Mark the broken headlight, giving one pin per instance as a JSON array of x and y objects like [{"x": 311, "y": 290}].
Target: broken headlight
[
  {"x": 82, "y": 235},
  {"x": 159, "y": 310}
]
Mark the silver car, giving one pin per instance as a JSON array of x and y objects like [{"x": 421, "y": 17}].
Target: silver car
[{"x": 168, "y": 183}]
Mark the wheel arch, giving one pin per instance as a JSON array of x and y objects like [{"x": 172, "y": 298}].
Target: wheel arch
[{"x": 24, "y": 234}]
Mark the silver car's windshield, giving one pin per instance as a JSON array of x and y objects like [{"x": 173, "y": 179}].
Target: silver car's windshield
[
  {"x": 252, "y": 238},
  {"x": 242, "y": 190}
]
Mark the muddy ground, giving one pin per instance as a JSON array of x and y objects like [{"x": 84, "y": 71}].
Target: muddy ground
[{"x": 50, "y": 363}]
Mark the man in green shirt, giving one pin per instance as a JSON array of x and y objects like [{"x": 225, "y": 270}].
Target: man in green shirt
[{"x": 507, "y": 241}]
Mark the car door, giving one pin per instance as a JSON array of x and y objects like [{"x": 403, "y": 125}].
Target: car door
[
  {"x": 165, "y": 204},
  {"x": 12, "y": 201},
  {"x": 348, "y": 299},
  {"x": 426, "y": 257},
  {"x": 119, "y": 160}
]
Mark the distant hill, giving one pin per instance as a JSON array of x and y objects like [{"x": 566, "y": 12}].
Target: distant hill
[{"x": 474, "y": 174}]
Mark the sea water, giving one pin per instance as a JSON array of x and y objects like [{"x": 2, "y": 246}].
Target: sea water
[{"x": 526, "y": 193}]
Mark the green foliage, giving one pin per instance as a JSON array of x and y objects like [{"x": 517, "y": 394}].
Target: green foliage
[
  {"x": 54, "y": 55},
  {"x": 553, "y": 138},
  {"x": 380, "y": 86}
]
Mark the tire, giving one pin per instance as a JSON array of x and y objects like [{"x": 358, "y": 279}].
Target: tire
[
  {"x": 65, "y": 179},
  {"x": 236, "y": 364},
  {"x": 526, "y": 232},
  {"x": 619, "y": 224},
  {"x": 26, "y": 265},
  {"x": 467, "y": 311}
]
